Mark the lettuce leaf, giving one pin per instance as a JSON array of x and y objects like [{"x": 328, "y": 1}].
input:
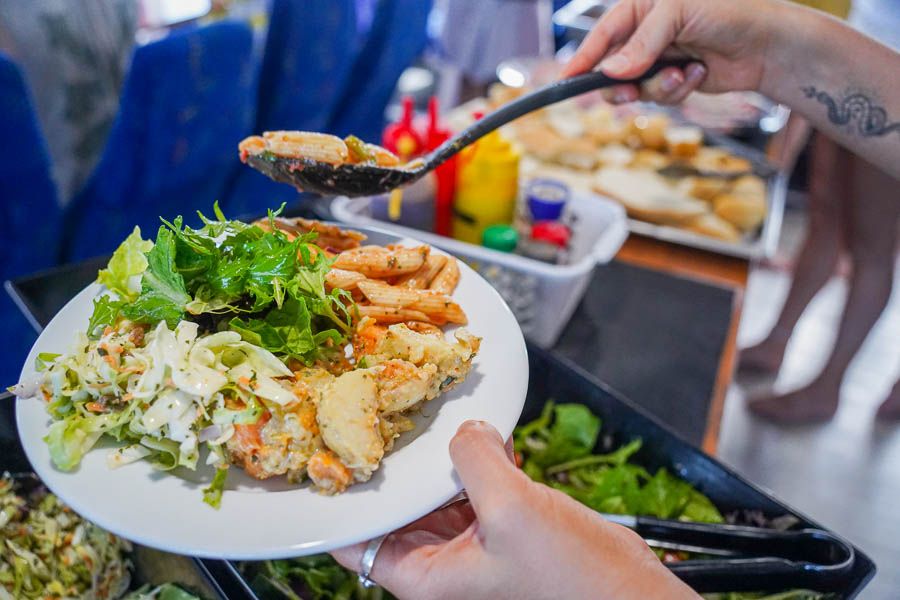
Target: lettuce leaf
[
  {"x": 69, "y": 439},
  {"x": 212, "y": 495},
  {"x": 556, "y": 449},
  {"x": 163, "y": 294},
  {"x": 106, "y": 311},
  {"x": 569, "y": 434},
  {"x": 127, "y": 264}
]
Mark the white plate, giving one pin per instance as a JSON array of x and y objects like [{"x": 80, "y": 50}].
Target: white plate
[{"x": 270, "y": 519}]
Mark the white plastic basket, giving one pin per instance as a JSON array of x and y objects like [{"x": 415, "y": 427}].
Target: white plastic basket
[{"x": 542, "y": 296}]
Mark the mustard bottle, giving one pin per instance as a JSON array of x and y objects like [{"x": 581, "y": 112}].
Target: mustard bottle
[{"x": 486, "y": 187}]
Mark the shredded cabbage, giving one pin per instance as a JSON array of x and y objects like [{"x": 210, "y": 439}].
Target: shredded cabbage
[
  {"x": 158, "y": 395},
  {"x": 50, "y": 552}
]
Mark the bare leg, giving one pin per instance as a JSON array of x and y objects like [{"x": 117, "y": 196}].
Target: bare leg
[
  {"x": 890, "y": 408},
  {"x": 815, "y": 263},
  {"x": 872, "y": 211}
]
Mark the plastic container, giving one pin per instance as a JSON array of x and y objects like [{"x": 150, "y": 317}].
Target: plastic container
[
  {"x": 487, "y": 185},
  {"x": 417, "y": 207},
  {"x": 541, "y": 295}
]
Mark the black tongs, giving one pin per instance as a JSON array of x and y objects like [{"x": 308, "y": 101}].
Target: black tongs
[{"x": 746, "y": 558}]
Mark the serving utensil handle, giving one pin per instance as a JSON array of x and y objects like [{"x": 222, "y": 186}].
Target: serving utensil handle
[{"x": 545, "y": 96}]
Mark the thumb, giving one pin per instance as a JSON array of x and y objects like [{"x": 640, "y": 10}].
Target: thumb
[{"x": 483, "y": 464}]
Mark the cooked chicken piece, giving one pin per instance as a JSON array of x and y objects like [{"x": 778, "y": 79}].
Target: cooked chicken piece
[
  {"x": 402, "y": 385},
  {"x": 328, "y": 472},
  {"x": 367, "y": 337},
  {"x": 278, "y": 444},
  {"x": 452, "y": 359},
  {"x": 283, "y": 439},
  {"x": 348, "y": 419},
  {"x": 339, "y": 428},
  {"x": 391, "y": 426}
]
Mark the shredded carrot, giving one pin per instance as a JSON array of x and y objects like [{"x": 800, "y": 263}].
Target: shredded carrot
[
  {"x": 244, "y": 381},
  {"x": 95, "y": 407}
]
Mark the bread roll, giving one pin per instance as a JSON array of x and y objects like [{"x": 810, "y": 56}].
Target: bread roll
[
  {"x": 646, "y": 195},
  {"x": 711, "y": 225},
  {"x": 704, "y": 188},
  {"x": 745, "y": 212},
  {"x": 749, "y": 185},
  {"x": 577, "y": 153},
  {"x": 650, "y": 159},
  {"x": 717, "y": 160},
  {"x": 608, "y": 132},
  {"x": 615, "y": 155},
  {"x": 540, "y": 141},
  {"x": 651, "y": 130}
]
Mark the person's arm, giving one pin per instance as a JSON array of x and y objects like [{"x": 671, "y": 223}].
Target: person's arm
[
  {"x": 517, "y": 539},
  {"x": 844, "y": 83}
]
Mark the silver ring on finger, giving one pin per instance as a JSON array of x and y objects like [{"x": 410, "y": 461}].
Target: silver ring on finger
[{"x": 367, "y": 562}]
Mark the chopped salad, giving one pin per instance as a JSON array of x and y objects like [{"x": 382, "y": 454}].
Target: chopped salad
[{"x": 51, "y": 552}]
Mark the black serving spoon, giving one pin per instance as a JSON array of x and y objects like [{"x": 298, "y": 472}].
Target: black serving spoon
[{"x": 367, "y": 180}]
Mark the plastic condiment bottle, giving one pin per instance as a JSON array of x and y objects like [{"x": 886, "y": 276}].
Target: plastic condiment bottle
[
  {"x": 446, "y": 173},
  {"x": 504, "y": 238},
  {"x": 401, "y": 137},
  {"x": 486, "y": 187}
]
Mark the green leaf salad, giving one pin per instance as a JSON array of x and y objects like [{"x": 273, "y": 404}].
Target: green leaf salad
[
  {"x": 557, "y": 449},
  {"x": 193, "y": 334}
]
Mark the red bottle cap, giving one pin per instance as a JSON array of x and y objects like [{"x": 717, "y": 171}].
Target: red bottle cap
[
  {"x": 401, "y": 137},
  {"x": 551, "y": 232}
]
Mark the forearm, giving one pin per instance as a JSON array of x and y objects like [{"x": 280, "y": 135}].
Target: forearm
[{"x": 845, "y": 84}]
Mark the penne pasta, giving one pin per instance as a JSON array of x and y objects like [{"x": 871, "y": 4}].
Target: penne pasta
[
  {"x": 447, "y": 279},
  {"x": 390, "y": 315},
  {"x": 421, "y": 278},
  {"x": 345, "y": 280},
  {"x": 302, "y": 144},
  {"x": 383, "y": 263},
  {"x": 438, "y": 306}
]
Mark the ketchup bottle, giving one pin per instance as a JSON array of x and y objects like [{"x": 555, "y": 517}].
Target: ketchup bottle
[
  {"x": 446, "y": 173},
  {"x": 401, "y": 138}
]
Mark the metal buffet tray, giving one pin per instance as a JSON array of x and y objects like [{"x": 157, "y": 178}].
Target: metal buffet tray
[
  {"x": 577, "y": 18},
  {"x": 758, "y": 245}
]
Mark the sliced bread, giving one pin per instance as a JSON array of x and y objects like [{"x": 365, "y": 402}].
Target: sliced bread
[{"x": 647, "y": 195}]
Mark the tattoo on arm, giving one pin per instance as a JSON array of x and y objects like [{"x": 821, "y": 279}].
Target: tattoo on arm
[{"x": 871, "y": 120}]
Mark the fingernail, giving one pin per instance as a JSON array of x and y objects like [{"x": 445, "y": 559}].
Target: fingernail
[
  {"x": 614, "y": 64},
  {"x": 695, "y": 72},
  {"x": 671, "y": 81},
  {"x": 621, "y": 97}
]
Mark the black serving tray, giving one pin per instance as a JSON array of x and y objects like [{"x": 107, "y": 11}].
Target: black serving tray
[
  {"x": 555, "y": 378},
  {"x": 150, "y": 566}
]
